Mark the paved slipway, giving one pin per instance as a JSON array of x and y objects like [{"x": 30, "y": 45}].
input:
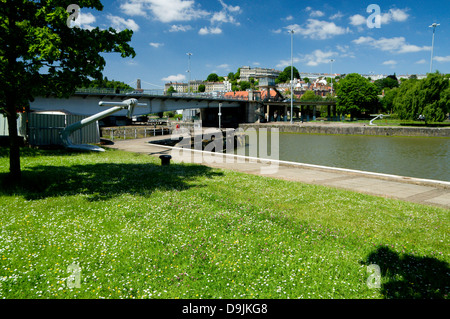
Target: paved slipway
[{"x": 427, "y": 192}]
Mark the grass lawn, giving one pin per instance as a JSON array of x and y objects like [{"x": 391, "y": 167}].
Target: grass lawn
[{"x": 139, "y": 230}]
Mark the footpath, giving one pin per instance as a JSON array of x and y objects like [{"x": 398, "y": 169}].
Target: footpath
[{"x": 427, "y": 192}]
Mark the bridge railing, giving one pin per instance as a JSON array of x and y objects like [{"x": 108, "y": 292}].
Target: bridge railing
[{"x": 209, "y": 96}]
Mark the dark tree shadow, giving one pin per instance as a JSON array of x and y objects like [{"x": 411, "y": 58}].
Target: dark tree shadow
[
  {"x": 104, "y": 181},
  {"x": 406, "y": 276},
  {"x": 42, "y": 151}
]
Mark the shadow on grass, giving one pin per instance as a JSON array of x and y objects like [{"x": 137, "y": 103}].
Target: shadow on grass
[
  {"x": 105, "y": 180},
  {"x": 405, "y": 276},
  {"x": 35, "y": 152}
]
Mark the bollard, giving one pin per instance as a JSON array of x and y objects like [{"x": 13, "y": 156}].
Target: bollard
[{"x": 165, "y": 160}]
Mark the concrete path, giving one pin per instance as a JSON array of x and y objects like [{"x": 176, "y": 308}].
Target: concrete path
[{"x": 427, "y": 192}]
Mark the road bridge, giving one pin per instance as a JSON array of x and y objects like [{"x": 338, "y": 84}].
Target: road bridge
[{"x": 235, "y": 110}]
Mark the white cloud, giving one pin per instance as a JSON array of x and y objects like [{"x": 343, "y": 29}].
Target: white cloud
[
  {"x": 120, "y": 23},
  {"x": 278, "y": 31},
  {"x": 318, "y": 57},
  {"x": 174, "y": 78},
  {"x": 423, "y": 61},
  {"x": 230, "y": 8},
  {"x": 156, "y": 45},
  {"x": 85, "y": 21},
  {"x": 316, "y": 29},
  {"x": 223, "y": 66},
  {"x": 165, "y": 10},
  {"x": 345, "y": 51},
  {"x": 289, "y": 18},
  {"x": 397, "y": 15},
  {"x": 390, "y": 62},
  {"x": 357, "y": 20},
  {"x": 286, "y": 63},
  {"x": 393, "y": 15},
  {"x": 212, "y": 30},
  {"x": 134, "y": 8},
  {"x": 442, "y": 58},
  {"x": 336, "y": 16},
  {"x": 180, "y": 28},
  {"x": 131, "y": 63},
  {"x": 226, "y": 15},
  {"x": 168, "y": 11},
  {"x": 314, "y": 13},
  {"x": 396, "y": 44}
]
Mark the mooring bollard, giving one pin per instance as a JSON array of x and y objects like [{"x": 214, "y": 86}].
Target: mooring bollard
[{"x": 165, "y": 160}]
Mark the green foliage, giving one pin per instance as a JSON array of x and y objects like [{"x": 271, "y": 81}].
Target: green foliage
[
  {"x": 231, "y": 76},
  {"x": 355, "y": 94},
  {"x": 105, "y": 83},
  {"x": 171, "y": 90},
  {"x": 285, "y": 76},
  {"x": 387, "y": 102},
  {"x": 40, "y": 54},
  {"x": 245, "y": 85},
  {"x": 330, "y": 98},
  {"x": 389, "y": 82},
  {"x": 310, "y": 96},
  {"x": 170, "y": 114},
  {"x": 429, "y": 97},
  {"x": 201, "y": 88},
  {"x": 213, "y": 77}
]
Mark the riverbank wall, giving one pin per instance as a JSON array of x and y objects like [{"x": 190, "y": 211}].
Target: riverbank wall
[{"x": 349, "y": 129}]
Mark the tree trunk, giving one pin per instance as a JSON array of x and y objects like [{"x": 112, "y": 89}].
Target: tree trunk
[{"x": 14, "y": 146}]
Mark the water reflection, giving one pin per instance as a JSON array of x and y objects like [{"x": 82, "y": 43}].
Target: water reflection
[{"x": 420, "y": 157}]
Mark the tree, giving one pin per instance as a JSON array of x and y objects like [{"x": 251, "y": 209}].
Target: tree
[
  {"x": 285, "y": 75},
  {"x": 213, "y": 77},
  {"x": 237, "y": 75},
  {"x": 387, "y": 102},
  {"x": 201, "y": 88},
  {"x": 310, "y": 96},
  {"x": 107, "y": 84},
  {"x": 355, "y": 94},
  {"x": 171, "y": 90},
  {"x": 389, "y": 82},
  {"x": 40, "y": 54},
  {"x": 231, "y": 76},
  {"x": 429, "y": 97},
  {"x": 245, "y": 85}
]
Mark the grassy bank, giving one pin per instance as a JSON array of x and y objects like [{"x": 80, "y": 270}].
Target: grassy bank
[{"x": 139, "y": 230}]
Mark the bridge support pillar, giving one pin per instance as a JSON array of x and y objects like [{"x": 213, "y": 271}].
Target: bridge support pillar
[{"x": 314, "y": 113}]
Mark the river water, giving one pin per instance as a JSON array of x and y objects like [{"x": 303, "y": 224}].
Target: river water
[{"x": 420, "y": 157}]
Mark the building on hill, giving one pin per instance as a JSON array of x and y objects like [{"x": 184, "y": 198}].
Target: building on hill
[{"x": 248, "y": 72}]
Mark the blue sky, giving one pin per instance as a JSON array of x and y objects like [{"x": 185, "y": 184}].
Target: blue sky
[{"x": 224, "y": 35}]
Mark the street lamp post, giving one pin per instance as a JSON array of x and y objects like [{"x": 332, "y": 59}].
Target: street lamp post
[
  {"x": 434, "y": 25},
  {"x": 189, "y": 72},
  {"x": 220, "y": 115},
  {"x": 292, "y": 75},
  {"x": 331, "y": 74}
]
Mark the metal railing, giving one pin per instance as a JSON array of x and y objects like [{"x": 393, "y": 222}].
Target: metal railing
[{"x": 133, "y": 92}]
